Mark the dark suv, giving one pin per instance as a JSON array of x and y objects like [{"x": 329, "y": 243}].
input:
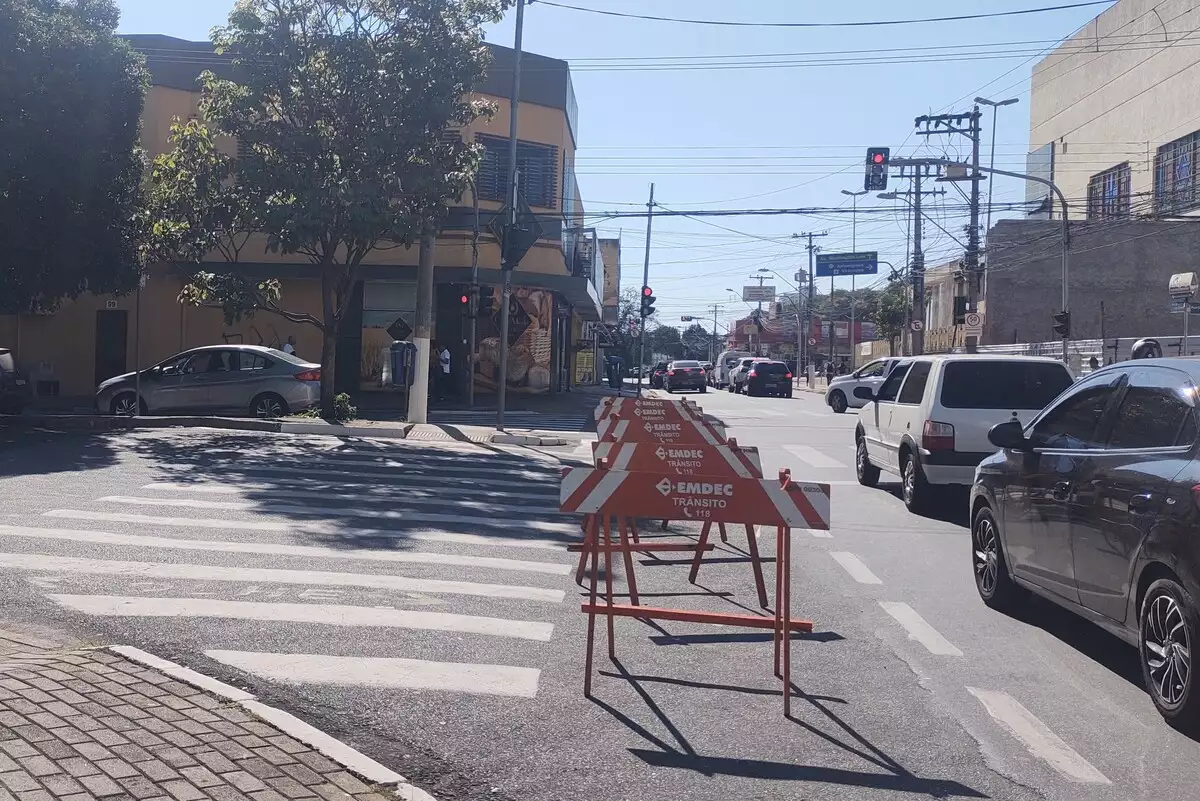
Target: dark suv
[
  {"x": 14, "y": 386},
  {"x": 769, "y": 378},
  {"x": 684, "y": 375},
  {"x": 1095, "y": 505}
]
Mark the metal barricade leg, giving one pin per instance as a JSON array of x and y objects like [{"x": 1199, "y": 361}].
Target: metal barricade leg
[
  {"x": 756, "y": 563},
  {"x": 608, "y": 585},
  {"x": 699, "y": 552},
  {"x": 633, "y": 530},
  {"x": 785, "y": 534},
  {"x": 778, "y": 603},
  {"x": 724, "y": 536},
  {"x": 591, "y": 635},
  {"x": 630, "y": 579},
  {"x": 589, "y": 543}
]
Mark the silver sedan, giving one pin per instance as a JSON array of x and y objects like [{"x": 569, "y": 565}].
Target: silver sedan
[{"x": 234, "y": 379}]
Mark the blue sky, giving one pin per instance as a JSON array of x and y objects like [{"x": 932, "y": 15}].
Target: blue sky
[{"x": 760, "y": 137}]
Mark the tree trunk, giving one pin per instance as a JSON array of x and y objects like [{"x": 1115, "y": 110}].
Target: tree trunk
[{"x": 328, "y": 344}]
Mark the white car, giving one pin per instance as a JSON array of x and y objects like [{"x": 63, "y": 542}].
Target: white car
[
  {"x": 840, "y": 394},
  {"x": 737, "y": 376},
  {"x": 928, "y": 422}
]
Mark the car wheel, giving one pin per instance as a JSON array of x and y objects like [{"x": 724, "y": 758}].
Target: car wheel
[
  {"x": 1169, "y": 631},
  {"x": 703, "y": 390},
  {"x": 995, "y": 585},
  {"x": 268, "y": 406},
  {"x": 837, "y": 402},
  {"x": 868, "y": 474},
  {"x": 915, "y": 490},
  {"x": 124, "y": 405}
]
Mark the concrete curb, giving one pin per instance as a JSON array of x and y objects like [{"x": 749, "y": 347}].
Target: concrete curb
[
  {"x": 349, "y": 758},
  {"x": 397, "y": 431},
  {"x": 544, "y": 440},
  {"x": 95, "y": 422}
]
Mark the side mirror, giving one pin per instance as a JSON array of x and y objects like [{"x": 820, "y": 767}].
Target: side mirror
[
  {"x": 169, "y": 370},
  {"x": 1009, "y": 435},
  {"x": 864, "y": 393}
]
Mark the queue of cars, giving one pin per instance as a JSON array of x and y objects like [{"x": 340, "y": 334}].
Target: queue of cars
[{"x": 1085, "y": 493}]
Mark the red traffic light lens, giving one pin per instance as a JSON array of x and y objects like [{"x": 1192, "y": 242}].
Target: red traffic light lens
[
  {"x": 877, "y": 158},
  {"x": 647, "y": 291},
  {"x": 464, "y": 300}
]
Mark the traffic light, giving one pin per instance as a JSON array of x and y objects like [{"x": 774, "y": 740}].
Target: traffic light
[
  {"x": 877, "y": 168},
  {"x": 686, "y": 318},
  {"x": 1062, "y": 324},
  {"x": 464, "y": 301},
  {"x": 648, "y": 301}
]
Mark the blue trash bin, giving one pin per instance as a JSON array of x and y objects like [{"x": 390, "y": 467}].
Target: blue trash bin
[{"x": 404, "y": 364}]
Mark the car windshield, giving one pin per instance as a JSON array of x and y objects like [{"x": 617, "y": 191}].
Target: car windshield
[
  {"x": 279, "y": 355},
  {"x": 1002, "y": 384},
  {"x": 747, "y": 362},
  {"x": 684, "y": 365},
  {"x": 771, "y": 368}
]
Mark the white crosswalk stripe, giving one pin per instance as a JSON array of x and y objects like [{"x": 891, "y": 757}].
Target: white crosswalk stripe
[
  {"x": 519, "y": 419},
  {"x": 269, "y": 553}
]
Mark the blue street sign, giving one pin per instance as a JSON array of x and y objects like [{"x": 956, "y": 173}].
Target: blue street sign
[{"x": 835, "y": 265}]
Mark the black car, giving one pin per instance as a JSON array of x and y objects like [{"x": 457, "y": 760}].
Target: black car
[
  {"x": 685, "y": 375},
  {"x": 657, "y": 375},
  {"x": 769, "y": 378},
  {"x": 15, "y": 391},
  {"x": 1095, "y": 505}
]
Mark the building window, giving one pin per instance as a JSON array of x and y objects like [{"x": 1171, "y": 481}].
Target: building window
[
  {"x": 537, "y": 166},
  {"x": 1108, "y": 193},
  {"x": 1175, "y": 183}
]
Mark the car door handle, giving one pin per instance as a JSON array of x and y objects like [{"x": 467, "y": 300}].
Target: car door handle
[
  {"x": 1140, "y": 504},
  {"x": 1061, "y": 491}
]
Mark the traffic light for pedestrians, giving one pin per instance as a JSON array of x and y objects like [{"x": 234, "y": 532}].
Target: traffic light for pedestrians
[
  {"x": 648, "y": 301},
  {"x": 877, "y": 168},
  {"x": 1062, "y": 324}
]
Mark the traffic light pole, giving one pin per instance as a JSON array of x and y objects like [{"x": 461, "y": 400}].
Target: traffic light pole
[
  {"x": 514, "y": 103},
  {"x": 645, "y": 283}
]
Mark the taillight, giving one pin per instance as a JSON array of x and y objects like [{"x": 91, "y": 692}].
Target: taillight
[
  {"x": 670, "y": 372},
  {"x": 754, "y": 374},
  {"x": 308, "y": 375},
  {"x": 1196, "y": 496},
  {"x": 789, "y": 375},
  {"x": 937, "y": 436}
]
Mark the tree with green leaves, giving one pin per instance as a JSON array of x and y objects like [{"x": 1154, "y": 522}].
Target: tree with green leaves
[
  {"x": 697, "y": 342},
  {"x": 71, "y": 96},
  {"x": 665, "y": 341},
  {"x": 341, "y": 107},
  {"x": 892, "y": 316}
]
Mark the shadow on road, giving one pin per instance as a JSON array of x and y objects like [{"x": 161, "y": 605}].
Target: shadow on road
[
  {"x": 33, "y": 452},
  {"x": 681, "y": 755}
]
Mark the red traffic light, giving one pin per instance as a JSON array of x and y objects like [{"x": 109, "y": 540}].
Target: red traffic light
[
  {"x": 877, "y": 158},
  {"x": 647, "y": 291},
  {"x": 464, "y": 300}
]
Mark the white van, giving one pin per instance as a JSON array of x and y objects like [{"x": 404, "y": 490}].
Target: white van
[
  {"x": 727, "y": 361},
  {"x": 928, "y": 422}
]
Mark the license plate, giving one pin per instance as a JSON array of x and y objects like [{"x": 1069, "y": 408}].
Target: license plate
[{"x": 20, "y": 382}]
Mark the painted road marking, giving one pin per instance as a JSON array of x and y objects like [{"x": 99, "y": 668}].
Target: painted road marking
[
  {"x": 855, "y": 567},
  {"x": 276, "y": 549},
  {"x": 919, "y": 630},
  {"x": 268, "y": 525},
  {"x": 321, "y": 614},
  {"x": 813, "y": 457},
  {"x": 1037, "y": 737},
  {"x": 467, "y": 466},
  {"x": 413, "y": 477},
  {"x": 276, "y": 490},
  {"x": 313, "y": 527},
  {"x": 328, "y": 511},
  {"x": 255, "y": 575},
  {"x": 390, "y": 673}
]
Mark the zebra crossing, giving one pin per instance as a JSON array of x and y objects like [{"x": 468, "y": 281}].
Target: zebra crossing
[
  {"x": 412, "y": 568},
  {"x": 537, "y": 421}
]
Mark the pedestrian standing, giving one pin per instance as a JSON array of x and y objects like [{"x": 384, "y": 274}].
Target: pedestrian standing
[
  {"x": 290, "y": 345},
  {"x": 444, "y": 372}
]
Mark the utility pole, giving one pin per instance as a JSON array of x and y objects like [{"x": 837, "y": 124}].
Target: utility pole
[
  {"x": 918, "y": 269},
  {"x": 472, "y": 325},
  {"x": 514, "y": 102},
  {"x": 854, "y": 196},
  {"x": 812, "y": 251},
  {"x": 966, "y": 124},
  {"x": 715, "y": 307},
  {"x": 418, "y": 395},
  {"x": 645, "y": 283}
]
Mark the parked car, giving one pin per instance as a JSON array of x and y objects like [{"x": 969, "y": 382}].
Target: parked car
[
  {"x": 737, "y": 376},
  {"x": 840, "y": 394},
  {"x": 928, "y": 423},
  {"x": 727, "y": 362},
  {"x": 657, "y": 374},
  {"x": 769, "y": 378},
  {"x": 239, "y": 379},
  {"x": 15, "y": 390},
  {"x": 1095, "y": 505},
  {"x": 685, "y": 375}
]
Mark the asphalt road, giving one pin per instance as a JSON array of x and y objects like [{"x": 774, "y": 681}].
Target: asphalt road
[{"x": 416, "y": 599}]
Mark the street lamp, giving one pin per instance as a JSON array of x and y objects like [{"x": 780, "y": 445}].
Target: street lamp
[
  {"x": 854, "y": 196},
  {"x": 995, "y": 104}
]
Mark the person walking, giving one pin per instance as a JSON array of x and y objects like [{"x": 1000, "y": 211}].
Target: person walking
[{"x": 443, "y": 372}]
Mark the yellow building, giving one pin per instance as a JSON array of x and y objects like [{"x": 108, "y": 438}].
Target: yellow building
[{"x": 557, "y": 288}]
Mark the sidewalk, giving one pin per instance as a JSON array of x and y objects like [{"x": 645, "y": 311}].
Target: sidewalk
[{"x": 81, "y": 723}]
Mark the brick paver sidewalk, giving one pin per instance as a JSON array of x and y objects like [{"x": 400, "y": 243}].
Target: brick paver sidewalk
[{"x": 82, "y": 723}]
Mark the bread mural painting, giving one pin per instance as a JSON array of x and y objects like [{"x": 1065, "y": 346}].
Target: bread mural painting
[{"x": 530, "y": 342}]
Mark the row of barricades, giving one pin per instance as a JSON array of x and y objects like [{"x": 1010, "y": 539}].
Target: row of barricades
[{"x": 664, "y": 460}]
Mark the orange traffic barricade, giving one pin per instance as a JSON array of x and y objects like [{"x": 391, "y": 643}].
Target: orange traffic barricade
[
  {"x": 621, "y": 427},
  {"x": 604, "y": 494},
  {"x": 648, "y": 408}
]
